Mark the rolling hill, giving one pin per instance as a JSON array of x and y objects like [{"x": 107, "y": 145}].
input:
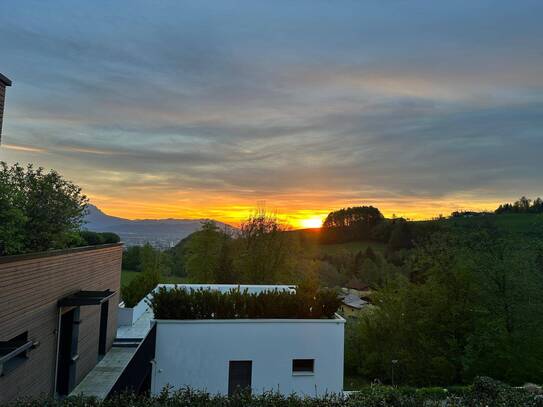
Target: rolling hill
[{"x": 159, "y": 232}]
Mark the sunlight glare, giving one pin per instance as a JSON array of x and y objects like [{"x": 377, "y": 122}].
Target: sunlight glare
[{"x": 311, "y": 223}]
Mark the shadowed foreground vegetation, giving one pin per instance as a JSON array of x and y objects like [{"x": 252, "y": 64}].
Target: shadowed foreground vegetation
[{"x": 484, "y": 392}]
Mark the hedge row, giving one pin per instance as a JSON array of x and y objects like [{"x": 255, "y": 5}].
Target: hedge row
[
  {"x": 96, "y": 238},
  {"x": 180, "y": 303},
  {"x": 484, "y": 392}
]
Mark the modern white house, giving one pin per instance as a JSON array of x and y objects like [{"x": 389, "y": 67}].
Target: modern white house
[
  {"x": 303, "y": 356},
  {"x": 284, "y": 355}
]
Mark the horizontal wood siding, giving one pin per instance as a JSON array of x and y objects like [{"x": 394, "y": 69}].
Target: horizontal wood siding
[
  {"x": 30, "y": 287},
  {"x": 2, "y": 96}
]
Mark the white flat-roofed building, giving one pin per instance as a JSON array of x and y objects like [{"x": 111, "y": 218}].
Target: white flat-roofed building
[{"x": 303, "y": 356}]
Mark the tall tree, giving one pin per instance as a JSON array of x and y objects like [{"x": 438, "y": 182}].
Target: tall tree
[
  {"x": 205, "y": 255},
  {"x": 39, "y": 210},
  {"x": 348, "y": 224},
  {"x": 265, "y": 252}
]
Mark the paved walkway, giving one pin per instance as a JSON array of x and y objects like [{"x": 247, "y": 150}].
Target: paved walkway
[{"x": 101, "y": 379}]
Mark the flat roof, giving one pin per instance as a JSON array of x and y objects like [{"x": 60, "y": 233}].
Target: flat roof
[
  {"x": 251, "y": 288},
  {"x": 5, "y": 80}
]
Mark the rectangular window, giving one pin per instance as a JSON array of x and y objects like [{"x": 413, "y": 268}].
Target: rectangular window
[
  {"x": 303, "y": 366},
  {"x": 13, "y": 353}
]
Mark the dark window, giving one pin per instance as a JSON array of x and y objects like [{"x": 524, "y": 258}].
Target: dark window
[
  {"x": 303, "y": 365},
  {"x": 13, "y": 353}
]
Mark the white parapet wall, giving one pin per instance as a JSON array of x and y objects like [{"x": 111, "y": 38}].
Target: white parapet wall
[{"x": 197, "y": 353}]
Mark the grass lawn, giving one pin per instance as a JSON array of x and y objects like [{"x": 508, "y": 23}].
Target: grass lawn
[{"x": 127, "y": 276}]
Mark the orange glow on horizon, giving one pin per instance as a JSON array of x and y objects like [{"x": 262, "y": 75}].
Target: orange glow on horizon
[
  {"x": 312, "y": 223},
  {"x": 300, "y": 212}
]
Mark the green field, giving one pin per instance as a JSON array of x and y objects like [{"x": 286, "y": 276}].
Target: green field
[{"x": 127, "y": 276}]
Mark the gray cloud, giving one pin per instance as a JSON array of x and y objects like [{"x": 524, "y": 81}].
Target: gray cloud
[{"x": 387, "y": 101}]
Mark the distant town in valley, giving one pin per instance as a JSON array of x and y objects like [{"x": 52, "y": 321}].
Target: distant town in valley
[{"x": 159, "y": 233}]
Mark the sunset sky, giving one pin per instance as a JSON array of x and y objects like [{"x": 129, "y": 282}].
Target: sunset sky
[{"x": 193, "y": 109}]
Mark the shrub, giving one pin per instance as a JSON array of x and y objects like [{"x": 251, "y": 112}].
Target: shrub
[
  {"x": 138, "y": 288},
  {"x": 91, "y": 238},
  {"x": 179, "y": 303},
  {"x": 94, "y": 238},
  {"x": 374, "y": 396},
  {"x": 39, "y": 210},
  {"x": 110, "y": 237}
]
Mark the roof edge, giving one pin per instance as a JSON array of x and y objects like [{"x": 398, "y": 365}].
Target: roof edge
[{"x": 5, "y": 80}]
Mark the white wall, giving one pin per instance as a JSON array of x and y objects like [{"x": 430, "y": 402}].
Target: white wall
[{"x": 197, "y": 354}]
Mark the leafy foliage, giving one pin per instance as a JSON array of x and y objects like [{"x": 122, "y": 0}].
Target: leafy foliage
[
  {"x": 350, "y": 224},
  {"x": 484, "y": 392},
  {"x": 265, "y": 253},
  {"x": 523, "y": 205},
  {"x": 467, "y": 306},
  {"x": 179, "y": 303},
  {"x": 262, "y": 253},
  {"x": 95, "y": 238},
  {"x": 139, "y": 287},
  {"x": 39, "y": 210},
  {"x": 206, "y": 255}
]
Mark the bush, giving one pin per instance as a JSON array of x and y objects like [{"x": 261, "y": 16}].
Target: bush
[
  {"x": 110, "y": 237},
  {"x": 39, "y": 210},
  {"x": 138, "y": 288},
  {"x": 179, "y": 303},
  {"x": 94, "y": 238},
  {"x": 374, "y": 396}
]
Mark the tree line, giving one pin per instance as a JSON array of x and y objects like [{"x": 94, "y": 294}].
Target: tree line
[
  {"x": 468, "y": 304},
  {"x": 366, "y": 223},
  {"x": 523, "y": 205}
]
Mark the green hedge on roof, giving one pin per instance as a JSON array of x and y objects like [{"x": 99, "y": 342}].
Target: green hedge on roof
[{"x": 180, "y": 303}]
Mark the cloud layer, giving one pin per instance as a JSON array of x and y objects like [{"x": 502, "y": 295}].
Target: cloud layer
[{"x": 194, "y": 109}]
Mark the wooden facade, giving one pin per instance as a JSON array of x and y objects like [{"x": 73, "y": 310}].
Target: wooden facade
[
  {"x": 3, "y": 83},
  {"x": 30, "y": 288}
]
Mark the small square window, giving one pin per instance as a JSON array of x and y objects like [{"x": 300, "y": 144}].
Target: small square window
[{"x": 303, "y": 366}]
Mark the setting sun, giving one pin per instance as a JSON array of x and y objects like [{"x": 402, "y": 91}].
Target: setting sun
[{"x": 311, "y": 223}]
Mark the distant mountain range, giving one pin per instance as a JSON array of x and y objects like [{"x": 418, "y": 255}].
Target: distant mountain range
[{"x": 161, "y": 233}]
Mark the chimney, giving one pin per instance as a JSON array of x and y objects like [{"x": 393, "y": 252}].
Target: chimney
[{"x": 3, "y": 83}]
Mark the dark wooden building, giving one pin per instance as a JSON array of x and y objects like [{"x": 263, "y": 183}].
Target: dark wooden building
[
  {"x": 3, "y": 83},
  {"x": 58, "y": 316}
]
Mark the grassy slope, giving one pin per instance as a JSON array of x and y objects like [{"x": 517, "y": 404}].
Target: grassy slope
[
  {"x": 527, "y": 225},
  {"x": 310, "y": 238},
  {"x": 521, "y": 224},
  {"x": 127, "y": 276}
]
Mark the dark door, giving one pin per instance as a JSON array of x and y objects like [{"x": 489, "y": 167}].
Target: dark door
[
  {"x": 239, "y": 375},
  {"x": 67, "y": 351},
  {"x": 102, "y": 340}
]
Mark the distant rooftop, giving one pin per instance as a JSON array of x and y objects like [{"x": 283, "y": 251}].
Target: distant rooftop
[{"x": 354, "y": 301}]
